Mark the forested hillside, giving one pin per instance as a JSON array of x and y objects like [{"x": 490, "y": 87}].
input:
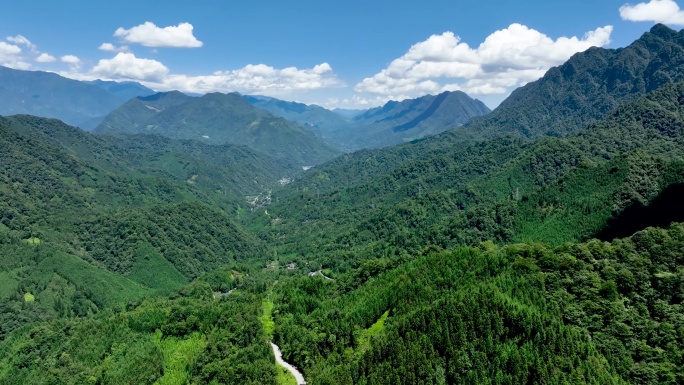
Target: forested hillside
[
  {"x": 588, "y": 86},
  {"x": 586, "y": 313},
  {"x": 218, "y": 119},
  {"x": 411, "y": 119},
  {"x": 552, "y": 190},
  {"x": 567, "y": 99},
  {"x": 87, "y": 225},
  {"x": 145, "y": 254}
]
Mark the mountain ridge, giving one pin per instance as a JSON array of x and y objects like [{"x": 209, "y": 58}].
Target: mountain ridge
[
  {"x": 217, "y": 118},
  {"x": 50, "y": 95}
]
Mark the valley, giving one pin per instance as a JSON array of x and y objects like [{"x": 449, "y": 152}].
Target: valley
[{"x": 230, "y": 238}]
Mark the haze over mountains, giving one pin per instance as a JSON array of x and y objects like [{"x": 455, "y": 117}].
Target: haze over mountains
[
  {"x": 393, "y": 123},
  {"x": 86, "y": 104},
  {"x": 53, "y": 96},
  {"x": 538, "y": 243}
]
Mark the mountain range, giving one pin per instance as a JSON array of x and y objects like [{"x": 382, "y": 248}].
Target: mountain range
[
  {"x": 411, "y": 119},
  {"x": 86, "y": 104},
  {"x": 217, "y": 119},
  {"x": 540, "y": 243},
  {"x": 50, "y": 95},
  {"x": 587, "y": 87},
  {"x": 393, "y": 123}
]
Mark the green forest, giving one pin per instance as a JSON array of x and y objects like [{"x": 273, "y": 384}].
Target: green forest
[{"x": 534, "y": 251}]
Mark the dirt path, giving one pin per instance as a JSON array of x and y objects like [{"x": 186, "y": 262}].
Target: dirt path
[{"x": 279, "y": 359}]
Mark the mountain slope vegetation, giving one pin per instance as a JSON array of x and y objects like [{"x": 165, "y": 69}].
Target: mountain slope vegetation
[
  {"x": 552, "y": 190},
  {"x": 587, "y": 87},
  {"x": 469, "y": 257},
  {"x": 319, "y": 119},
  {"x": 567, "y": 99},
  {"x": 218, "y": 119}
]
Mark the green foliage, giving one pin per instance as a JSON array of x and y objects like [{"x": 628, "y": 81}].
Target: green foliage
[
  {"x": 193, "y": 237},
  {"x": 285, "y": 377},
  {"x": 581, "y": 313},
  {"x": 179, "y": 356},
  {"x": 140, "y": 252},
  {"x": 218, "y": 119},
  {"x": 152, "y": 270},
  {"x": 465, "y": 316},
  {"x": 185, "y": 340},
  {"x": 266, "y": 318},
  {"x": 552, "y": 190},
  {"x": 365, "y": 336}
]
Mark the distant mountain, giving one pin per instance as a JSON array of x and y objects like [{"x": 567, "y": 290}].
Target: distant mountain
[
  {"x": 587, "y": 87},
  {"x": 218, "y": 119},
  {"x": 411, "y": 119},
  {"x": 49, "y": 95},
  {"x": 566, "y": 100},
  {"x": 393, "y": 123},
  {"x": 348, "y": 113},
  {"x": 321, "y": 120},
  {"x": 123, "y": 90}
]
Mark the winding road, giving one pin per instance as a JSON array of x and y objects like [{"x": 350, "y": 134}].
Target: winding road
[{"x": 279, "y": 359}]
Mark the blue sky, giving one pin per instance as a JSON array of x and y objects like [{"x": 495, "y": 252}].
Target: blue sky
[{"x": 350, "y": 54}]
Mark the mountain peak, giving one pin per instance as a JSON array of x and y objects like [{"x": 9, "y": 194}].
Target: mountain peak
[
  {"x": 218, "y": 118},
  {"x": 663, "y": 31},
  {"x": 587, "y": 87}
]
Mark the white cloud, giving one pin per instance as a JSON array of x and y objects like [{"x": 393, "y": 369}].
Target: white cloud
[
  {"x": 10, "y": 56},
  {"x": 259, "y": 78},
  {"x": 74, "y": 62},
  {"x": 125, "y": 66},
  {"x": 507, "y": 58},
  {"x": 107, "y": 47},
  {"x": 657, "y": 11},
  {"x": 355, "y": 102},
  {"x": 252, "y": 78},
  {"x": 149, "y": 35},
  {"x": 70, "y": 59},
  {"x": 9, "y": 49},
  {"x": 21, "y": 40},
  {"x": 45, "y": 58}
]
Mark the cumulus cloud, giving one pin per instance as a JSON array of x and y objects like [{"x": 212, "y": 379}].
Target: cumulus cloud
[
  {"x": 70, "y": 59},
  {"x": 45, "y": 58},
  {"x": 149, "y": 35},
  {"x": 109, "y": 47},
  {"x": 9, "y": 49},
  {"x": 355, "y": 102},
  {"x": 10, "y": 56},
  {"x": 74, "y": 62},
  {"x": 657, "y": 11},
  {"x": 507, "y": 58},
  {"x": 21, "y": 40},
  {"x": 125, "y": 66},
  {"x": 255, "y": 78},
  {"x": 18, "y": 59},
  {"x": 252, "y": 78}
]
